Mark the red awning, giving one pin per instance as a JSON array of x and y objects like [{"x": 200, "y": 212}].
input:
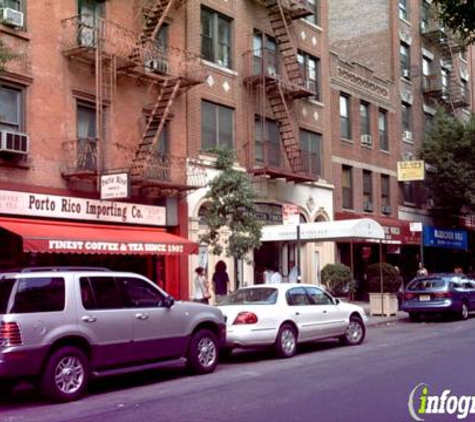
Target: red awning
[{"x": 66, "y": 237}]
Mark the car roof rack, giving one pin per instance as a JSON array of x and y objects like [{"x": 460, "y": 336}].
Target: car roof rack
[{"x": 54, "y": 268}]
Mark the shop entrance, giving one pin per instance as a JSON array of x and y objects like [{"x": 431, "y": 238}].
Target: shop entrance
[{"x": 266, "y": 257}]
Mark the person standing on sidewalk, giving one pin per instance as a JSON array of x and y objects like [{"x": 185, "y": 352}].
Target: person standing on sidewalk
[
  {"x": 422, "y": 271},
  {"x": 220, "y": 281},
  {"x": 200, "y": 286}
]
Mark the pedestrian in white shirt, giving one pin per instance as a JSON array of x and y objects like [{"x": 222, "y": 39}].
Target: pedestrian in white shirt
[
  {"x": 293, "y": 273},
  {"x": 200, "y": 286},
  {"x": 276, "y": 277}
]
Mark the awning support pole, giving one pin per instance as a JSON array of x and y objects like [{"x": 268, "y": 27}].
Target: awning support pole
[
  {"x": 381, "y": 275},
  {"x": 352, "y": 265}
]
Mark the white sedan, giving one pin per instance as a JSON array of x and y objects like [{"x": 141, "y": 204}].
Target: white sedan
[{"x": 283, "y": 315}]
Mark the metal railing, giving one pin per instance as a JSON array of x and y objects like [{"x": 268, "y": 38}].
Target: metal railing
[{"x": 80, "y": 156}]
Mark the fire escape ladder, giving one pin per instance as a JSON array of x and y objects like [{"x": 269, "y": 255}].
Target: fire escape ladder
[
  {"x": 288, "y": 135},
  {"x": 280, "y": 22},
  {"x": 155, "y": 124},
  {"x": 155, "y": 18}
]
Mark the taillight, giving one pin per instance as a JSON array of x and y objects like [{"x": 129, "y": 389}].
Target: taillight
[
  {"x": 10, "y": 334},
  {"x": 245, "y": 318},
  {"x": 442, "y": 295},
  {"x": 409, "y": 296}
]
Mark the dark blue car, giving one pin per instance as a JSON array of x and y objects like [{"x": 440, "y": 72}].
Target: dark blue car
[{"x": 439, "y": 293}]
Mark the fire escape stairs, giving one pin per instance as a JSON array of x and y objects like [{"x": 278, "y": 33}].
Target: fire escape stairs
[
  {"x": 154, "y": 127},
  {"x": 280, "y": 22},
  {"x": 288, "y": 135}
]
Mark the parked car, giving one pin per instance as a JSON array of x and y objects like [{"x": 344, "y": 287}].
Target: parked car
[
  {"x": 61, "y": 327},
  {"x": 439, "y": 293},
  {"x": 286, "y": 314}
]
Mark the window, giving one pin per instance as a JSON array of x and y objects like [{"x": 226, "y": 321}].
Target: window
[
  {"x": 217, "y": 123},
  {"x": 101, "y": 293},
  {"x": 267, "y": 142},
  {"x": 90, "y": 11},
  {"x": 367, "y": 190},
  {"x": 405, "y": 60},
  {"x": 162, "y": 37},
  {"x": 297, "y": 297},
  {"x": 426, "y": 72},
  {"x": 383, "y": 130},
  {"x": 309, "y": 66},
  {"x": 345, "y": 117},
  {"x": 445, "y": 75},
  {"x": 139, "y": 293},
  {"x": 365, "y": 118},
  {"x": 311, "y": 147},
  {"x": 265, "y": 57},
  {"x": 347, "y": 187},
  {"x": 39, "y": 295},
  {"x": 11, "y": 4},
  {"x": 385, "y": 201},
  {"x": 216, "y": 38},
  {"x": 403, "y": 10},
  {"x": 464, "y": 90},
  {"x": 425, "y": 16},
  {"x": 406, "y": 118},
  {"x": 409, "y": 192},
  {"x": 11, "y": 108},
  {"x": 87, "y": 137},
  {"x": 318, "y": 297},
  {"x": 315, "y": 7},
  {"x": 428, "y": 119}
]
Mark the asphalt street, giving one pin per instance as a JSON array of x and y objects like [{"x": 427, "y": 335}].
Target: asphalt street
[{"x": 324, "y": 382}]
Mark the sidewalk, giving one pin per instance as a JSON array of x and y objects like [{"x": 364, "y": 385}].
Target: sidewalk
[{"x": 380, "y": 320}]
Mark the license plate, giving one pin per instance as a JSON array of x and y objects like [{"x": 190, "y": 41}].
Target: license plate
[{"x": 423, "y": 298}]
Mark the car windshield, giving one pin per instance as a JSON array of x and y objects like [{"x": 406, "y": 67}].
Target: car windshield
[
  {"x": 428, "y": 284},
  {"x": 258, "y": 296},
  {"x": 5, "y": 291}
]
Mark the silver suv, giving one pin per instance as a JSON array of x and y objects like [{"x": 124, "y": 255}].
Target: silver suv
[{"x": 61, "y": 326}]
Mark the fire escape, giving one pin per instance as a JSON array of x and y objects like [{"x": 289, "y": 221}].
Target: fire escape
[
  {"x": 280, "y": 87},
  {"x": 117, "y": 51},
  {"x": 446, "y": 87}
]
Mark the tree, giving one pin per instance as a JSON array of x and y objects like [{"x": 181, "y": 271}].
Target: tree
[
  {"x": 231, "y": 204},
  {"x": 448, "y": 154},
  {"x": 5, "y": 56},
  {"x": 459, "y": 17}
]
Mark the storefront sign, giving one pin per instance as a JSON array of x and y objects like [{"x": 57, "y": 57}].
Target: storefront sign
[
  {"x": 408, "y": 171},
  {"x": 115, "y": 186},
  {"x": 53, "y": 206},
  {"x": 290, "y": 214},
  {"x": 445, "y": 238},
  {"x": 269, "y": 213}
]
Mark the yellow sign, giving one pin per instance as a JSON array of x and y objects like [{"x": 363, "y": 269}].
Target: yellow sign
[{"x": 408, "y": 171}]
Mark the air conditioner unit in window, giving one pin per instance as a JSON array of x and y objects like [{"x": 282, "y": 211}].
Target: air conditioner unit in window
[
  {"x": 386, "y": 209},
  {"x": 14, "y": 142},
  {"x": 12, "y": 17},
  {"x": 406, "y": 73},
  {"x": 367, "y": 206},
  {"x": 407, "y": 135},
  {"x": 157, "y": 66},
  {"x": 366, "y": 140}
]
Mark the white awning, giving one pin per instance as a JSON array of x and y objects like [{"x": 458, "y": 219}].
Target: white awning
[{"x": 361, "y": 228}]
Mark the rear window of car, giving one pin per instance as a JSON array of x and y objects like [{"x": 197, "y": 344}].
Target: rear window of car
[
  {"x": 427, "y": 284},
  {"x": 5, "y": 291},
  {"x": 41, "y": 294},
  {"x": 261, "y": 296}
]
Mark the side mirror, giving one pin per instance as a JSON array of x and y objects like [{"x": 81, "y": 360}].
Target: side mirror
[
  {"x": 337, "y": 301},
  {"x": 169, "y": 301}
]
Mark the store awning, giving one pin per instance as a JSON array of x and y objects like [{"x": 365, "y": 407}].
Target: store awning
[
  {"x": 361, "y": 228},
  {"x": 68, "y": 237}
]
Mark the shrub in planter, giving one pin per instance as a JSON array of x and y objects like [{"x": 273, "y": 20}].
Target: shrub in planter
[
  {"x": 391, "y": 279},
  {"x": 337, "y": 279}
]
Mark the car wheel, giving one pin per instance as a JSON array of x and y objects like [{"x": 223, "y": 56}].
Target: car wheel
[
  {"x": 464, "y": 311},
  {"x": 414, "y": 317},
  {"x": 66, "y": 375},
  {"x": 203, "y": 352},
  {"x": 286, "y": 342},
  {"x": 355, "y": 332}
]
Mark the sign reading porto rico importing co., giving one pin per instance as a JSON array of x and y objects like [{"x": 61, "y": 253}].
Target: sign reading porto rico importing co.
[{"x": 445, "y": 238}]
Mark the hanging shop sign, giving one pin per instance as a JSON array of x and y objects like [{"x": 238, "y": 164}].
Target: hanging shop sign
[
  {"x": 409, "y": 171},
  {"x": 445, "y": 238},
  {"x": 115, "y": 186},
  {"x": 65, "y": 207},
  {"x": 290, "y": 214}
]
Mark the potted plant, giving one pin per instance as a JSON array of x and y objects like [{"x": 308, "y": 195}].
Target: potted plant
[
  {"x": 383, "y": 284},
  {"x": 338, "y": 280}
]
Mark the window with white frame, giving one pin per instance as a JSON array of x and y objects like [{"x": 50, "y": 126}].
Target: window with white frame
[
  {"x": 314, "y": 5},
  {"x": 405, "y": 60},
  {"x": 345, "y": 117},
  {"x": 406, "y": 117},
  {"x": 403, "y": 10},
  {"x": 11, "y": 107},
  {"x": 216, "y": 37},
  {"x": 309, "y": 66}
]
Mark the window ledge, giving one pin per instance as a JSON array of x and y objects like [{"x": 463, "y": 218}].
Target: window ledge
[
  {"x": 385, "y": 151},
  {"x": 218, "y": 67},
  {"x": 349, "y": 141},
  {"x": 312, "y": 25},
  {"x": 405, "y": 21},
  {"x": 316, "y": 102},
  {"x": 18, "y": 33}
]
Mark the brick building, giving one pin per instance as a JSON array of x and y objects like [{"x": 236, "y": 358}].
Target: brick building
[{"x": 401, "y": 42}]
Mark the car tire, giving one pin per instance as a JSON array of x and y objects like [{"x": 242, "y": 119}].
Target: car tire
[
  {"x": 285, "y": 345},
  {"x": 203, "y": 352},
  {"x": 464, "y": 311},
  {"x": 65, "y": 376},
  {"x": 414, "y": 317},
  {"x": 355, "y": 332}
]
